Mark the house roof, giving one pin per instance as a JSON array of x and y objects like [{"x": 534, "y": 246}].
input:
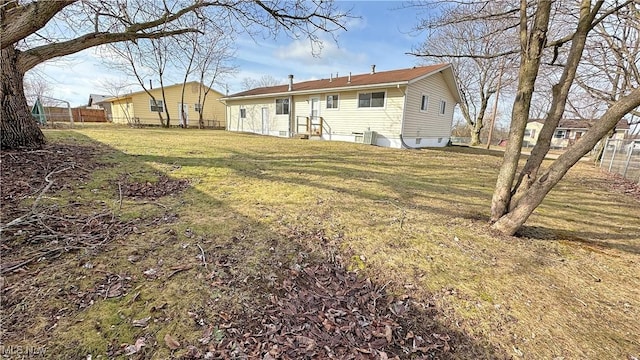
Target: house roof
[
  {"x": 125, "y": 96},
  {"x": 96, "y": 98},
  {"x": 575, "y": 124},
  {"x": 392, "y": 78}
]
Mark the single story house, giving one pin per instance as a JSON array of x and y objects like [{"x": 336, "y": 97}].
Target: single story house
[
  {"x": 398, "y": 108},
  {"x": 141, "y": 109},
  {"x": 567, "y": 132}
]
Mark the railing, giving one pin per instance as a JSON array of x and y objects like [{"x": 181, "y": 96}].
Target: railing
[{"x": 309, "y": 125}]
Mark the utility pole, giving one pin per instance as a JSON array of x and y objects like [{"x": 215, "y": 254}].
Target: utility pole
[{"x": 495, "y": 105}]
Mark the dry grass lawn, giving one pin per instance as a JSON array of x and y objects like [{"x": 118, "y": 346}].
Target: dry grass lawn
[{"x": 567, "y": 288}]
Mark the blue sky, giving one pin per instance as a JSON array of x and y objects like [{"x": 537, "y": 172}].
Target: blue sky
[{"x": 381, "y": 35}]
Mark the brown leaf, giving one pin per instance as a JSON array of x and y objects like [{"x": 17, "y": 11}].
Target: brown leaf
[
  {"x": 309, "y": 342},
  {"x": 172, "y": 343},
  {"x": 388, "y": 333},
  {"x": 132, "y": 349},
  {"x": 141, "y": 322}
]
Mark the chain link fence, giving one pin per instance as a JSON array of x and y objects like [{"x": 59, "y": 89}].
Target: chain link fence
[{"x": 622, "y": 156}]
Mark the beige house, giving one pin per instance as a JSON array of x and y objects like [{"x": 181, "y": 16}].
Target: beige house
[
  {"x": 140, "y": 108},
  {"x": 568, "y": 131},
  {"x": 399, "y": 108}
]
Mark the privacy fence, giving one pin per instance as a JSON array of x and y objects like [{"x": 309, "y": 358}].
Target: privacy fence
[{"x": 622, "y": 156}]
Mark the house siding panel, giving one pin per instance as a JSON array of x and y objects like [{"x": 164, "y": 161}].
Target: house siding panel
[
  {"x": 347, "y": 120},
  {"x": 274, "y": 125},
  {"x": 429, "y": 126},
  {"x": 122, "y": 111}
]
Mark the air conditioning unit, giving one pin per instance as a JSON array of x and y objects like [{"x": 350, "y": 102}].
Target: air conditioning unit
[{"x": 369, "y": 138}]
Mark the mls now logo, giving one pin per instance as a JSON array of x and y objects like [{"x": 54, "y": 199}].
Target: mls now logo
[{"x": 13, "y": 351}]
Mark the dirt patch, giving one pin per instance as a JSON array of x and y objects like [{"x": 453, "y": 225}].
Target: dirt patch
[{"x": 152, "y": 190}]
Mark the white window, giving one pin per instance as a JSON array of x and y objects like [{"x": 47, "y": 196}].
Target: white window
[
  {"x": 560, "y": 134},
  {"x": 332, "y": 101},
  {"x": 243, "y": 113},
  {"x": 424, "y": 103},
  {"x": 282, "y": 106},
  {"x": 372, "y": 99},
  {"x": 531, "y": 133},
  {"x": 156, "y": 105},
  {"x": 197, "y": 107},
  {"x": 443, "y": 107}
]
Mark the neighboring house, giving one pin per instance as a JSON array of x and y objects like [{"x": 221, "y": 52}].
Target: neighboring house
[
  {"x": 98, "y": 102},
  {"x": 140, "y": 109},
  {"x": 399, "y": 108},
  {"x": 567, "y": 132}
]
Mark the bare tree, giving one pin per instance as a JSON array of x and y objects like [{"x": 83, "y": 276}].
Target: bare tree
[
  {"x": 117, "y": 88},
  {"x": 543, "y": 27},
  {"x": 477, "y": 77},
  {"x": 36, "y": 31},
  {"x": 207, "y": 57},
  {"x": 36, "y": 87},
  {"x": 263, "y": 81}
]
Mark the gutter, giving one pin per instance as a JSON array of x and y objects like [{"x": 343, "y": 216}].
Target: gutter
[{"x": 316, "y": 91}]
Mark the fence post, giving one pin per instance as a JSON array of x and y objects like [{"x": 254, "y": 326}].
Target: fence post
[
  {"x": 626, "y": 164},
  {"x": 613, "y": 154}
]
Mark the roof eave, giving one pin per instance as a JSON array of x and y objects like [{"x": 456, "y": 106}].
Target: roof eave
[{"x": 315, "y": 91}]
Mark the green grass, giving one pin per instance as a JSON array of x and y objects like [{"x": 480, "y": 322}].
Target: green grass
[{"x": 416, "y": 220}]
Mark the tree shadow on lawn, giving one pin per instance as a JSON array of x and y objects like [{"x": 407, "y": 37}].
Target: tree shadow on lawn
[
  {"x": 215, "y": 280},
  {"x": 590, "y": 239},
  {"x": 405, "y": 186}
]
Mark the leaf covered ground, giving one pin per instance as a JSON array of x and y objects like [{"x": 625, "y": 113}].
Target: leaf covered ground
[{"x": 121, "y": 243}]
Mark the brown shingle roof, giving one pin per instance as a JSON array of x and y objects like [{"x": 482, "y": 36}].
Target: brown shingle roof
[{"x": 382, "y": 77}]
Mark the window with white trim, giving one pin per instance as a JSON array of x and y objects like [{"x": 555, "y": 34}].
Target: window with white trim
[
  {"x": 243, "y": 113},
  {"x": 282, "y": 106},
  {"x": 372, "y": 99},
  {"x": 443, "y": 107},
  {"x": 332, "y": 101},
  {"x": 197, "y": 107},
  {"x": 560, "y": 134},
  {"x": 156, "y": 105},
  {"x": 424, "y": 102}
]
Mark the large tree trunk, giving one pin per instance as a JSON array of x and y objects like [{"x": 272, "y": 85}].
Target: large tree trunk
[
  {"x": 560, "y": 94},
  {"x": 514, "y": 219},
  {"x": 19, "y": 129},
  {"x": 477, "y": 128},
  {"x": 532, "y": 44}
]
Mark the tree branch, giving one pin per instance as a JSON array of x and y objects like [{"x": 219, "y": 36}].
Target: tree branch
[
  {"x": 32, "y": 57},
  {"x": 20, "y": 21}
]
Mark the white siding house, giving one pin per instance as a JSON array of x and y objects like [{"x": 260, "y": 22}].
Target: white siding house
[{"x": 399, "y": 108}]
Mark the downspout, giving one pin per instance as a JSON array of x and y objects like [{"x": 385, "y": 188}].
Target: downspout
[
  {"x": 404, "y": 111},
  {"x": 291, "y": 111},
  {"x": 291, "y": 115}
]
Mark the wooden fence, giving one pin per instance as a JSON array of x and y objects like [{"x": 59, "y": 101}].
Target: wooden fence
[{"x": 61, "y": 114}]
